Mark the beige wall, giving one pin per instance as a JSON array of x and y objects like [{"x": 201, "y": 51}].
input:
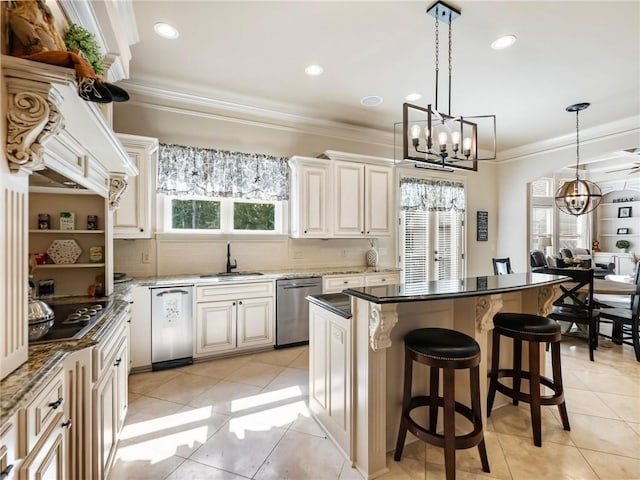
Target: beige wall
[{"x": 167, "y": 256}]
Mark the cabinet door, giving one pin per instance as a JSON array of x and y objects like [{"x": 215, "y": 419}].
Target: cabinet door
[
  {"x": 121, "y": 381},
  {"x": 141, "y": 328},
  {"x": 9, "y": 448},
  {"x": 215, "y": 327},
  {"x": 378, "y": 206},
  {"x": 348, "y": 212},
  {"x": 47, "y": 460},
  {"x": 317, "y": 359},
  {"x": 255, "y": 322},
  {"x": 105, "y": 423}
]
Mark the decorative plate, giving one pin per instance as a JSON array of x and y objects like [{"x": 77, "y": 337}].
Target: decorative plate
[{"x": 64, "y": 251}]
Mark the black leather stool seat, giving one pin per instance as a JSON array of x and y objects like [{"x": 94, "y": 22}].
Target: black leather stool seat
[
  {"x": 522, "y": 322},
  {"x": 440, "y": 343}
]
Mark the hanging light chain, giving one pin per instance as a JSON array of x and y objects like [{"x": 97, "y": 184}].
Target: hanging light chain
[
  {"x": 450, "y": 66},
  {"x": 577, "y": 143},
  {"x": 437, "y": 55}
]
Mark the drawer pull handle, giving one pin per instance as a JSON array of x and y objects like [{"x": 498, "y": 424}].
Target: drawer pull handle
[
  {"x": 5, "y": 473},
  {"x": 67, "y": 424},
  {"x": 346, "y": 282},
  {"x": 117, "y": 362},
  {"x": 56, "y": 404}
]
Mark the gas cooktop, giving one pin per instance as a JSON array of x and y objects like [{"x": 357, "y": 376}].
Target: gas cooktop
[{"x": 73, "y": 320}]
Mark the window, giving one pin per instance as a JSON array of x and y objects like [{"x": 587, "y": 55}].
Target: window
[
  {"x": 254, "y": 216},
  {"x": 195, "y": 214}
]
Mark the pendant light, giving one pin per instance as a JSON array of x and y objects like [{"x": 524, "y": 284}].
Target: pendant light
[{"x": 578, "y": 197}]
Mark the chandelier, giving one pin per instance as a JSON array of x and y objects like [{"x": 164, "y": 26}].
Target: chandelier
[
  {"x": 442, "y": 140},
  {"x": 578, "y": 197}
]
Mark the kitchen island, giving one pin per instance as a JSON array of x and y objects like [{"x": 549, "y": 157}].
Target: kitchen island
[{"x": 356, "y": 359}]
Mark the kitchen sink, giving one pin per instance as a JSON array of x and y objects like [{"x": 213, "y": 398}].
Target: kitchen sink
[{"x": 231, "y": 274}]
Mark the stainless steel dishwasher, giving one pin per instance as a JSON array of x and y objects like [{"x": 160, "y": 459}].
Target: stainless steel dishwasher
[
  {"x": 171, "y": 326},
  {"x": 292, "y": 310}
]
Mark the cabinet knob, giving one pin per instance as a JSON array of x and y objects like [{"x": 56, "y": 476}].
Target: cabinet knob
[
  {"x": 305, "y": 231},
  {"x": 233, "y": 304},
  {"x": 5, "y": 473},
  {"x": 67, "y": 424},
  {"x": 368, "y": 232},
  {"x": 117, "y": 362},
  {"x": 362, "y": 232},
  {"x": 240, "y": 302},
  {"x": 142, "y": 229},
  {"x": 56, "y": 404}
]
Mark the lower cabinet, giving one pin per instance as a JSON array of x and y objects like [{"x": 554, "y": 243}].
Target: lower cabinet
[
  {"x": 330, "y": 373},
  {"x": 241, "y": 317},
  {"x": 48, "y": 459},
  {"x": 338, "y": 283},
  {"x": 9, "y": 457}
]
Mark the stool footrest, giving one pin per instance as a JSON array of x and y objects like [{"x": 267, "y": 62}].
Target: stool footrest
[
  {"x": 556, "y": 399},
  {"x": 468, "y": 440}
]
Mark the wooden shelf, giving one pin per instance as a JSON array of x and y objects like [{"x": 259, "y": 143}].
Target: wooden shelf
[
  {"x": 619, "y": 235},
  {"x": 70, "y": 265},
  {"x": 67, "y": 232},
  {"x": 618, "y": 218},
  {"x": 620, "y": 203}
]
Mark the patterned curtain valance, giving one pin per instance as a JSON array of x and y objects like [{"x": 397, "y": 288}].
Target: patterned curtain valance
[
  {"x": 218, "y": 173},
  {"x": 431, "y": 195}
]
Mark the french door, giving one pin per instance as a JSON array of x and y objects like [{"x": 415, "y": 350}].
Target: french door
[{"x": 431, "y": 245}]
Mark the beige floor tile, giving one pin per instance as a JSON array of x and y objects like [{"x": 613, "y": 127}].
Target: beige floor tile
[
  {"x": 412, "y": 465},
  {"x": 570, "y": 380},
  {"x": 349, "y": 472},
  {"x": 255, "y": 373},
  {"x": 299, "y": 456},
  {"x": 218, "y": 368},
  {"x": 627, "y": 408},
  {"x": 551, "y": 461},
  {"x": 147, "y": 381},
  {"x": 139, "y": 461},
  {"x": 190, "y": 470},
  {"x": 437, "y": 472},
  {"x": 612, "y": 467},
  {"x": 305, "y": 423},
  {"x": 280, "y": 357},
  {"x": 605, "y": 435},
  {"x": 302, "y": 360},
  {"x": 290, "y": 377},
  {"x": 611, "y": 383},
  {"x": 183, "y": 388},
  {"x": 635, "y": 426},
  {"x": 513, "y": 420},
  {"x": 223, "y": 396},
  {"x": 237, "y": 449},
  {"x": 148, "y": 408},
  {"x": 468, "y": 460},
  {"x": 588, "y": 403}
]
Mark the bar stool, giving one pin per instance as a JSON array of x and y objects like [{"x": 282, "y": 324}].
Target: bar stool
[
  {"x": 535, "y": 330},
  {"x": 449, "y": 350}
]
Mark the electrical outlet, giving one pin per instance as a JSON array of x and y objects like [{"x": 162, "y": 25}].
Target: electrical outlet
[{"x": 145, "y": 257}]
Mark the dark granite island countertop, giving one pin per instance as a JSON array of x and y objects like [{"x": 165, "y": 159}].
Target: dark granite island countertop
[
  {"x": 337, "y": 303},
  {"x": 448, "y": 289}
]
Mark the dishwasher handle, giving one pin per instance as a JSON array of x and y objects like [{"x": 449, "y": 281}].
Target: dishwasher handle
[
  {"x": 303, "y": 285},
  {"x": 183, "y": 292}
]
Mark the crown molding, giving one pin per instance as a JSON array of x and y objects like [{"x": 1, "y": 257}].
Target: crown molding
[
  {"x": 588, "y": 135},
  {"x": 163, "y": 99}
]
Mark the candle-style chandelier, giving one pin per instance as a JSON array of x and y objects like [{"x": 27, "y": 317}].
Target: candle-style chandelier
[
  {"x": 578, "y": 197},
  {"x": 442, "y": 140}
]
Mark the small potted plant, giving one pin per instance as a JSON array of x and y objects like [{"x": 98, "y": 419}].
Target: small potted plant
[{"x": 623, "y": 245}]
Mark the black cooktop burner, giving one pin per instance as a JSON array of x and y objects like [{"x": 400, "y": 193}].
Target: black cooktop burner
[{"x": 73, "y": 320}]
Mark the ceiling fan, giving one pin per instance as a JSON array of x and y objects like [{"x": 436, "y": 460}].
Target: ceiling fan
[{"x": 635, "y": 168}]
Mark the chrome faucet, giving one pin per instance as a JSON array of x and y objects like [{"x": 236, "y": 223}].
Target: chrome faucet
[{"x": 235, "y": 261}]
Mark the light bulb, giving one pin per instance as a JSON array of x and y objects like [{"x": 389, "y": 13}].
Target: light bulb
[
  {"x": 426, "y": 132},
  {"x": 415, "y": 131},
  {"x": 467, "y": 143},
  {"x": 455, "y": 138},
  {"x": 442, "y": 138}
]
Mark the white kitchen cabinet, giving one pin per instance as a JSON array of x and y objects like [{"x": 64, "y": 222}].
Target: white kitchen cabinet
[
  {"x": 338, "y": 283},
  {"x": 330, "y": 373},
  {"x": 310, "y": 204},
  {"x": 363, "y": 200},
  {"x": 47, "y": 460},
  {"x": 140, "y": 328},
  {"x": 133, "y": 218},
  {"x": 241, "y": 317},
  {"x": 9, "y": 458}
]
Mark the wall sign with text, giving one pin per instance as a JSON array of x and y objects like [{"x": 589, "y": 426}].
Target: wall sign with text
[{"x": 482, "y": 226}]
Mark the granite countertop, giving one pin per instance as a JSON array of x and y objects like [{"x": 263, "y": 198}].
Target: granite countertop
[
  {"x": 337, "y": 303},
  {"x": 45, "y": 359},
  {"x": 265, "y": 275},
  {"x": 445, "y": 289}
]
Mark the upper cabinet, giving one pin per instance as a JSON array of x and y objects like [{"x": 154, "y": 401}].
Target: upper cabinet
[
  {"x": 342, "y": 196},
  {"x": 133, "y": 218},
  {"x": 310, "y": 197}
]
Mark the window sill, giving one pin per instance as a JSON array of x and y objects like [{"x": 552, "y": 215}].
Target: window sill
[{"x": 209, "y": 237}]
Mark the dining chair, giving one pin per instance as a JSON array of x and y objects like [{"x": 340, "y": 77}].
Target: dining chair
[
  {"x": 625, "y": 324},
  {"x": 573, "y": 306},
  {"x": 501, "y": 266}
]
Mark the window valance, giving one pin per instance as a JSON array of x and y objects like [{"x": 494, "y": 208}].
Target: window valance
[
  {"x": 431, "y": 195},
  {"x": 187, "y": 171}
]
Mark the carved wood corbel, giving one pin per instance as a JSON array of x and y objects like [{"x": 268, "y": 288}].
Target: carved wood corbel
[
  {"x": 32, "y": 117},
  {"x": 486, "y": 307},
  {"x": 382, "y": 319},
  {"x": 546, "y": 296},
  {"x": 117, "y": 186}
]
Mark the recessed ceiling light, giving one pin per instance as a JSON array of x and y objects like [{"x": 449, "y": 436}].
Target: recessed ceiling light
[
  {"x": 371, "y": 101},
  {"x": 412, "y": 97},
  {"x": 314, "y": 70},
  {"x": 503, "y": 42},
  {"x": 166, "y": 31}
]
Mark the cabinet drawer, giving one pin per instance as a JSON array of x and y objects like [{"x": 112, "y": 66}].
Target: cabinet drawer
[
  {"x": 214, "y": 293},
  {"x": 381, "y": 279},
  {"x": 44, "y": 409},
  {"x": 9, "y": 448},
  {"x": 337, "y": 284},
  {"x": 105, "y": 352}
]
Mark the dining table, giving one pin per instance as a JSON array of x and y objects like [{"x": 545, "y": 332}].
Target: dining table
[{"x": 611, "y": 287}]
